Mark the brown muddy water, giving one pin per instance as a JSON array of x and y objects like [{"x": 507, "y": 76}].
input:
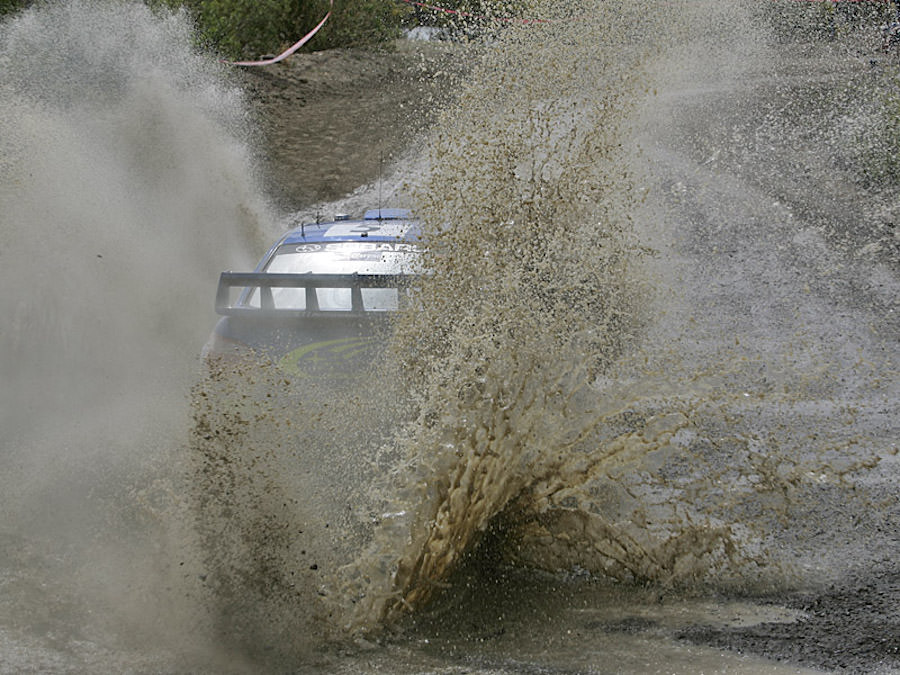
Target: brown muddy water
[{"x": 642, "y": 417}]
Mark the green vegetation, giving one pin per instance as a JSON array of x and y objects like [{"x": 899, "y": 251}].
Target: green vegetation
[
  {"x": 249, "y": 28},
  {"x": 9, "y": 6}
]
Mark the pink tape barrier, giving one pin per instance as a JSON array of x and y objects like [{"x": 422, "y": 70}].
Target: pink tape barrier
[{"x": 290, "y": 50}]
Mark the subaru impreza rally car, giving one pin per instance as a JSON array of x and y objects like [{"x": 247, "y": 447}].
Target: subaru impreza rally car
[{"x": 314, "y": 303}]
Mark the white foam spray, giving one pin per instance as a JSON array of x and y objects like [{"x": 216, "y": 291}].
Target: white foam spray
[{"x": 126, "y": 185}]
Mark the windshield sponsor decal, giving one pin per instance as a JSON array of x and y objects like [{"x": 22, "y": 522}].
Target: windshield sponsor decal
[{"x": 344, "y": 246}]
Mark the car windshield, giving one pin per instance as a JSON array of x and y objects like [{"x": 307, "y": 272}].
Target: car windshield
[
  {"x": 347, "y": 257},
  {"x": 341, "y": 258}
]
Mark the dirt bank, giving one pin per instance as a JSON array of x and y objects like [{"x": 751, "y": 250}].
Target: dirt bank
[{"x": 331, "y": 119}]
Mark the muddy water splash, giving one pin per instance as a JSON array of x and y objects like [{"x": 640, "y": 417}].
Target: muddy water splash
[
  {"x": 126, "y": 185},
  {"x": 575, "y": 402},
  {"x": 566, "y": 414},
  {"x": 526, "y": 199},
  {"x": 112, "y": 218},
  {"x": 528, "y": 204}
]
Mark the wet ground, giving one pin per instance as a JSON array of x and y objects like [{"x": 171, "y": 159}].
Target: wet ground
[
  {"x": 779, "y": 137},
  {"x": 771, "y": 137}
]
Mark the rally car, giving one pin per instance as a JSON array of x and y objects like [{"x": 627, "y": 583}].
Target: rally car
[{"x": 317, "y": 297}]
